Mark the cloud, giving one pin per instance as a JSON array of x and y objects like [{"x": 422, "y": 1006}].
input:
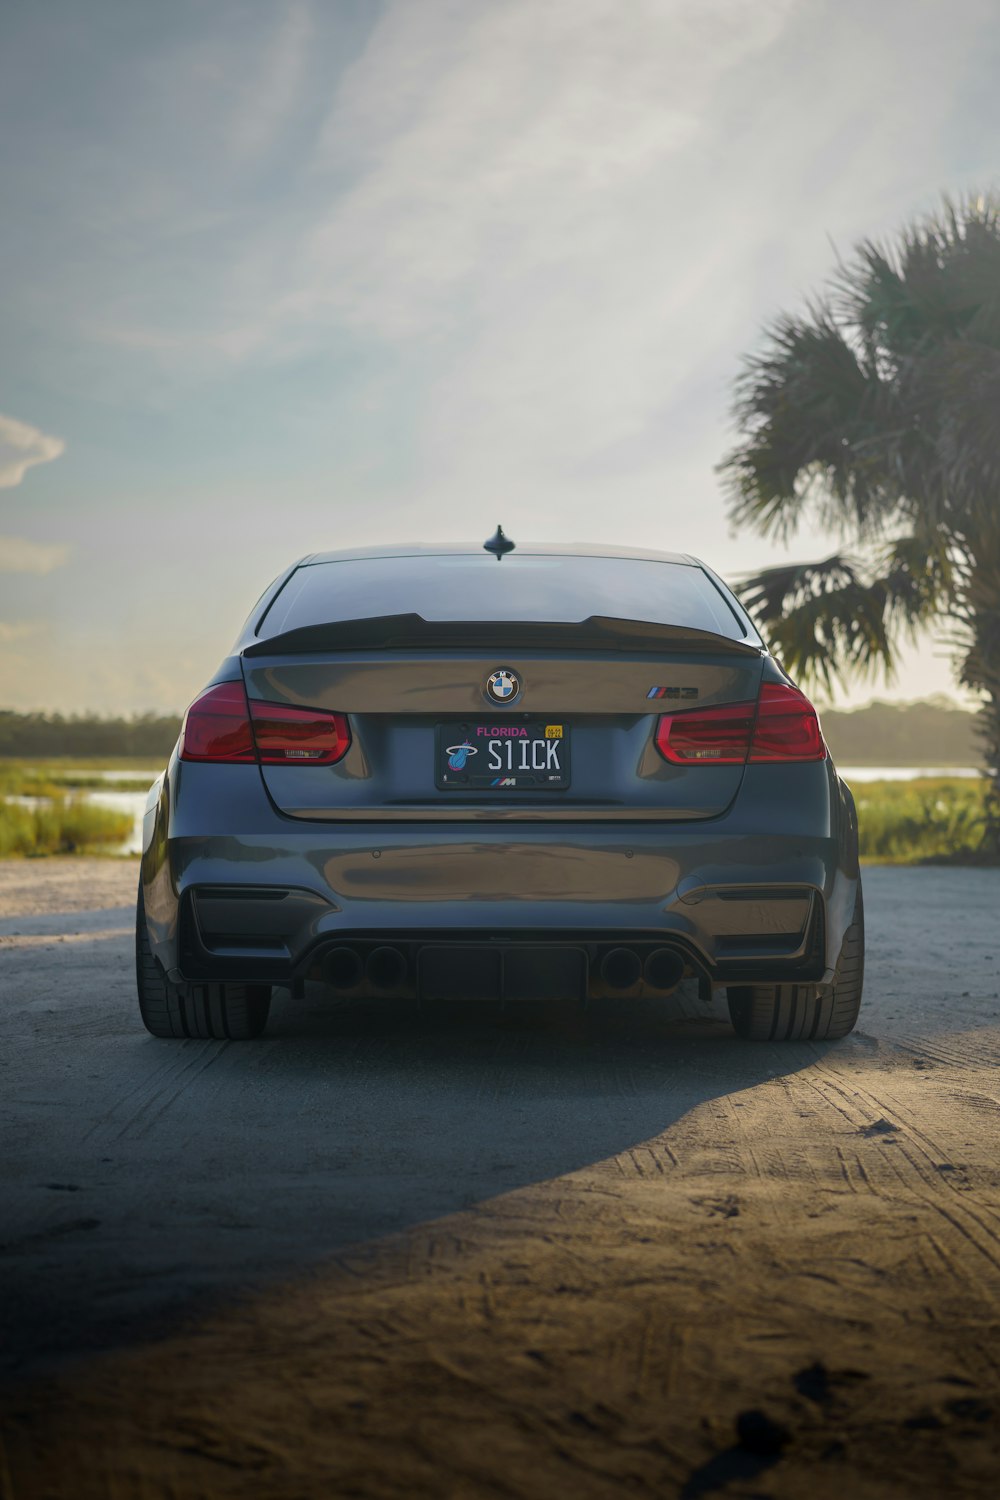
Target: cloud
[
  {"x": 18, "y": 555},
  {"x": 16, "y": 630},
  {"x": 549, "y": 183},
  {"x": 570, "y": 220},
  {"x": 523, "y": 245},
  {"x": 502, "y": 143},
  {"x": 22, "y": 445},
  {"x": 274, "y": 85},
  {"x": 544, "y": 214},
  {"x": 470, "y": 149},
  {"x": 549, "y": 231}
]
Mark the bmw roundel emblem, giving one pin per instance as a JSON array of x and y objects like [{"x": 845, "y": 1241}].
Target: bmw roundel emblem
[{"x": 502, "y": 686}]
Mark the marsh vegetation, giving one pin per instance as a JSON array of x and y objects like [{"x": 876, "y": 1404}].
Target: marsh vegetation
[
  {"x": 63, "y": 824},
  {"x": 47, "y": 807},
  {"x": 50, "y": 806},
  {"x": 930, "y": 818}
]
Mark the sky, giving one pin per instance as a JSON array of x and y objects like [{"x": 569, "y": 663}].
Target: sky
[{"x": 281, "y": 276}]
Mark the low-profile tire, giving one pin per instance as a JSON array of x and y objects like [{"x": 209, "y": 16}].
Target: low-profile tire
[
  {"x": 805, "y": 1012},
  {"x": 224, "y": 1012}
]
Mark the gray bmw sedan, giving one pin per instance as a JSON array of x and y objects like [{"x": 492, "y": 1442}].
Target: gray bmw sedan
[{"x": 500, "y": 774}]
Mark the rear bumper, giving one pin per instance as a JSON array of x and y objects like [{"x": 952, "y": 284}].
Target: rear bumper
[{"x": 234, "y": 890}]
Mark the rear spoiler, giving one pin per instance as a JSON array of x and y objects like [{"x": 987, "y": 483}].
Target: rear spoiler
[{"x": 413, "y": 633}]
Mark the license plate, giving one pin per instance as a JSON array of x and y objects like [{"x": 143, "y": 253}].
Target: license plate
[{"x": 486, "y": 755}]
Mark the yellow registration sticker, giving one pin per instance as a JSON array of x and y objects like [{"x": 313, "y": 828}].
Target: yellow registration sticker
[{"x": 553, "y": 732}]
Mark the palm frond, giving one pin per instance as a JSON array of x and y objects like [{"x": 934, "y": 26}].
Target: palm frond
[
  {"x": 876, "y": 415},
  {"x": 939, "y": 280},
  {"x": 825, "y": 621},
  {"x": 921, "y": 572},
  {"x": 842, "y": 618},
  {"x": 815, "y": 414}
]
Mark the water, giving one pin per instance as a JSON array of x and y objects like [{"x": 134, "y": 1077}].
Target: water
[
  {"x": 133, "y": 803},
  {"x": 903, "y": 773},
  {"x": 56, "y": 774}
]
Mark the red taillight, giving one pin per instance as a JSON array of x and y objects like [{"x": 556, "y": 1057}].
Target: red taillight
[
  {"x": 217, "y": 726},
  {"x": 303, "y": 736},
  {"x": 781, "y": 726},
  {"x": 787, "y": 726},
  {"x": 222, "y": 726},
  {"x": 710, "y": 736}
]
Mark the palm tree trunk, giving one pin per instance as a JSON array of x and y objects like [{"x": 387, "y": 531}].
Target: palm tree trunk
[
  {"x": 981, "y": 670},
  {"x": 988, "y": 726}
]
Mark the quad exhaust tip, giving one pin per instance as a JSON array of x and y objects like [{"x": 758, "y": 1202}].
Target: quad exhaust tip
[
  {"x": 663, "y": 969},
  {"x": 386, "y": 968},
  {"x": 620, "y": 968},
  {"x": 343, "y": 969}
]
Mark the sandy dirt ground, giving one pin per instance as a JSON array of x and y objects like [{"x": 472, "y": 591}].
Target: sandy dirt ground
[
  {"x": 378, "y": 1254},
  {"x": 30, "y": 887}
]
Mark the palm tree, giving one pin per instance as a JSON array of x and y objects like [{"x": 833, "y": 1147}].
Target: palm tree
[{"x": 876, "y": 415}]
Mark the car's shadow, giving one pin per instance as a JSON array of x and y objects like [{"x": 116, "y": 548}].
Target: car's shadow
[{"x": 219, "y": 1168}]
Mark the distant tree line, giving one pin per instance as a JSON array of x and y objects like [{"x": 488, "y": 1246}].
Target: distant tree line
[
  {"x": 85, "y": 735},
  {"x": 887, "y": 734},
  {"x": 902, "y": 734}
]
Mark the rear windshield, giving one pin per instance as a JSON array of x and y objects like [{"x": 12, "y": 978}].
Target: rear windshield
[{"x": 521, "y": 587}]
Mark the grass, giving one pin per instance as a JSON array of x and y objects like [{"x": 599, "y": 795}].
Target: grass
[
  {"x": 932, "y": 818},
  {"x": 901, "y": 822},
  {"x": 53, "y": 778},
  {"x": 64, "y": 825},
  {"x": 65, "y": 822}
]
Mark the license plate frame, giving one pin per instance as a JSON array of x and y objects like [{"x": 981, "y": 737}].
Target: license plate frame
[{"x": 514, "y": 757}]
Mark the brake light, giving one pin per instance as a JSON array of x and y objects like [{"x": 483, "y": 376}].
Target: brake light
[
  {"x": 221, "y": 726},
  {"x": 713, "y": 736},
  {"x": 217, "y": 726},
  {"x": 287, "y": 735},
  {"x": 781, "y": 726},
  {"x": 787, "y": 726}
]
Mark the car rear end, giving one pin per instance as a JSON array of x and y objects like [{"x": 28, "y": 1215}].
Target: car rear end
[{"x": 443, "y": 776}]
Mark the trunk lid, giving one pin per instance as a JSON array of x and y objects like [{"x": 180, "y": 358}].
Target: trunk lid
[{"x": 593, "y": 680}]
